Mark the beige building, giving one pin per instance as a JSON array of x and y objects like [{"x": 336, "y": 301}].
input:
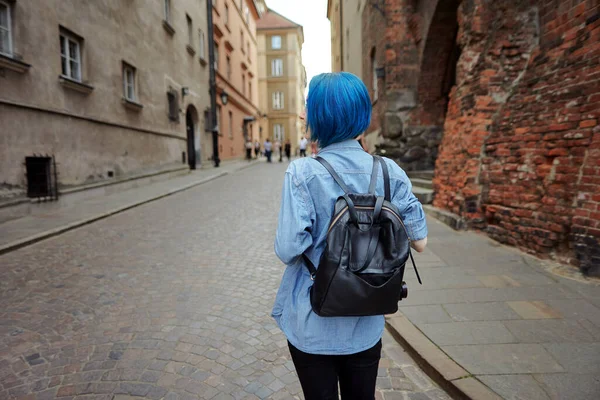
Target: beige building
[
  {"x": 108, "y": 88},
  {"x": 345, "y": 17},
  {"x": 282, "y": 77},
  {"x": 234, "y": 23}
]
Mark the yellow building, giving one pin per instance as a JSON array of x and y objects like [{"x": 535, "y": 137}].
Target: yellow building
[{"x": 282, "y": 78}]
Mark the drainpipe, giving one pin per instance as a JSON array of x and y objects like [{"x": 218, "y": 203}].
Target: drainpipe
[
  {"x": 342, "y": 33},
  {"x": 213, "y": 83}
]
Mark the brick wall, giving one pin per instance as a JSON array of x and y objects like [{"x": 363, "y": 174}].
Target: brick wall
[
  {"x": 521, "y": 147},
  {"x": 520, "y": 152}
]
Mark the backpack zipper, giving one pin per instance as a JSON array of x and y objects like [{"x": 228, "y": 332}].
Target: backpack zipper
[{"x": 345, "y": 209}]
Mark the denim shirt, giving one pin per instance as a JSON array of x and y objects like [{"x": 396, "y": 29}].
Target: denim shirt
[{"x": 308, "y": 198}]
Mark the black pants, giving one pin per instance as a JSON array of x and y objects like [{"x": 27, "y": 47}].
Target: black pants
[
  {"x": 302, "y": 152},
  {"x": 319, "y": 374},
  {"x": 268, "y": 155}
]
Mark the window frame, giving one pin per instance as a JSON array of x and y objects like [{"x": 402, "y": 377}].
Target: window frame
[
  {"x": 279, "y": 134},
  {"x": 216, "y": 56},
  {"x": 228, "y": 68},
  {"x": 128, "y": 68},
  {"x": 167, "y": 10},
  {"x": 190, "y": 29},
  {"x": 277, "y": 62},
  {"x": 201, "y": 44},
  {"x": 278, "y": 101},
  {"x": 66, "y": 38},
  {"x": 273, "y": 47},
  {"x": 8, "y": 29},
  {"x": 226, "y": 16}
]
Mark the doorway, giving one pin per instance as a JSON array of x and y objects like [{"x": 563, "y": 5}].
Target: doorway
[{"x": 191, "y": 117}]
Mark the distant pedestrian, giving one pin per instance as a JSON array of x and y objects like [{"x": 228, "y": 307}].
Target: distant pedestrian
[
  {"x": 257, "y": 149},
  {"x": 288, "y": 150},
  {"x": 303, "y": 145},
  {"x": 248, "y": 149},
  {"x": 279, "y": 149},
  {"x": 268, "y": 149}
]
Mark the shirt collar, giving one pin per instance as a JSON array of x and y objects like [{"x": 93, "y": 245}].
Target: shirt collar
[{"x": 346, "y": 144}]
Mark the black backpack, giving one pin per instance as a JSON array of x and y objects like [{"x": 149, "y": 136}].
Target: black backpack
[{"x": 362, "y": 268}]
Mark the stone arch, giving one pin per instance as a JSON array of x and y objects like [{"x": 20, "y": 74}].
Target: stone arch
[{"x": 439, "y": 53}]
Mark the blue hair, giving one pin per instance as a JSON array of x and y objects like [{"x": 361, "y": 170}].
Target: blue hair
[{"x": 338, "y": 108}]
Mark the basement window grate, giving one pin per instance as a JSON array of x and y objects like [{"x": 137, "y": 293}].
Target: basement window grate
[{"x": 41, "y": 177}]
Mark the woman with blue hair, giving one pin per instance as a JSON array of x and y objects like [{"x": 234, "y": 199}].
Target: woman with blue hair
[{"x": 331, "y": 350}]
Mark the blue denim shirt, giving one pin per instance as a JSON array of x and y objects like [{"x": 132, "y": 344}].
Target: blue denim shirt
[{"x": 308, "y": 198}]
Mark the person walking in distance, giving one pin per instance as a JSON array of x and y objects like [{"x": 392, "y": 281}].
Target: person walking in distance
[
  {"x": 335, "y": 351},
  {"x": 279, "y": 149},
  {"x": 303, "y": 145},
  {"x": 257, "y": 149},
  {"x": 248, "y": 149},
  {"x": 268, "y": 149},
  {"x": 288, "y": 150}
]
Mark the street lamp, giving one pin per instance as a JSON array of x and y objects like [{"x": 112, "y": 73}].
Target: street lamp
[{"x": 224, "y": 97}]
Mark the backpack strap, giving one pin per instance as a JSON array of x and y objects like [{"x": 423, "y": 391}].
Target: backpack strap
[
  {"x": 335, "y": 176},
  {"x": 373, "y": 184},
  {"x": 310, "y": 266},
  {"x": 386, "y": 178},
  {"x": 340, "y": 182}
]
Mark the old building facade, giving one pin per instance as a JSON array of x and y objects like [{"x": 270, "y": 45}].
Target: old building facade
[
  {"x": 106, "y": 97},
  {"x": 282, "y": 77},
  {"x": 345, "y": 17},
  {"x": 503, "y": 99},
  {"x": 234, "y": 24}
]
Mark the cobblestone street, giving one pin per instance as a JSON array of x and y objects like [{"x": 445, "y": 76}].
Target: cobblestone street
[{"x": 170, "y": 300}]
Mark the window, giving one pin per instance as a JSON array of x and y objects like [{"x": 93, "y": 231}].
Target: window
[
  {"x": 374, "y": 72},
  {"x": 168, "y": 10},
  {"x": 276, "y": 42},
  {"x": 250, "y": 90},
  {"x": 5, "y": 29},
  {"x": 277, "y": 67},
  {"x": 244, "y": 84},
  {"x": 70, "y": 55},
  {"x": 190, "y": 26},
  {"x": 242, "y": 40},
  {"x": 201, "y": 45},
  {"x": 129, "y": 82},
  {"x": 248, "y": 47},
  {"x": 277, "y": 100},
  {"x": 173, "y": 99},
  {"x": 216, "y": 56},
  {"x": 278, "y": 132},
  {"x": 247, "y": 14},
  {"x": 228, "y": 68},
  {"x": 230, "y": 125}
]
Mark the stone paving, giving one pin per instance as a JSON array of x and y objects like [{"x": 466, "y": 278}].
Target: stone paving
[
  {"x": 170, "y": 300},
  {"x": 51, "y": 216},
  {"x": 524, "y": 332}
]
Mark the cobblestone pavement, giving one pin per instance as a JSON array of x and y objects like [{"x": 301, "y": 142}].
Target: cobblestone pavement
[{"x": 170, "y": 300}]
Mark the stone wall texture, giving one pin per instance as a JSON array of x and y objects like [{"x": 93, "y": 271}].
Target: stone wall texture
[{"x": 503, "y": 99}]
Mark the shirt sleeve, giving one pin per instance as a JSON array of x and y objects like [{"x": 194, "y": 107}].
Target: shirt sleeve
[
  {"x": 295, "y": 220},
  {"x": 409, "y": 206}
]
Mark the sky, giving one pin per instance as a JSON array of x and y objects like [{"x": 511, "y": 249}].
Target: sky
[{"x": 312, "y": 15}]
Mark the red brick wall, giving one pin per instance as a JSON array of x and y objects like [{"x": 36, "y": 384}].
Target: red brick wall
[
  {"x": 520, "y": 153},
  {"x": 521, "y": 148}
]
